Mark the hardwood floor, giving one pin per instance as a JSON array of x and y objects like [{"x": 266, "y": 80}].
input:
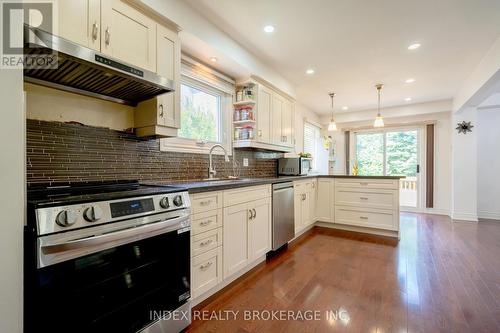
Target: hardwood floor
[{"x": 441, "y": 277}]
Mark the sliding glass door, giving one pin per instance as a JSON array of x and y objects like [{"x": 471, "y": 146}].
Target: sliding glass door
[{"x": 392, "y": 152}]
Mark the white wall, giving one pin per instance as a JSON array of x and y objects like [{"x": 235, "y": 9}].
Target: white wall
[
  {"x": 464, "y": 168},
  {"x": 488, "y": 156},
  {"x": 12, "y": 166},
  {"x": 483, "y": 81},
  {"x": 443, "y": 131}
]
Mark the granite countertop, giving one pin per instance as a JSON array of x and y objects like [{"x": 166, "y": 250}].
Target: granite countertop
[{"x": 197, "y": 186}]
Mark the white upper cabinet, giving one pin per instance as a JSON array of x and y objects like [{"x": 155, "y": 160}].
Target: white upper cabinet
[
  {"x": 80, "y": 21},
  {"x": 264, "y": 108},
  {"x": 277, "y": 133},
  {"x": 128, "y": 35},
  {"x": 287, "y": 119},
  {"x": 168, "y": 64},
  {"x": 162, "y": 114},
  {"x": 274, "y": 114}
]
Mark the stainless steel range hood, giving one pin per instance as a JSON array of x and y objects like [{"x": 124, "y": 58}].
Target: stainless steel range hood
[{"x": 85, "y": 71}]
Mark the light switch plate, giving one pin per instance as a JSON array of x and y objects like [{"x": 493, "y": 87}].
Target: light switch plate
[{"x": 245, "y": 162}]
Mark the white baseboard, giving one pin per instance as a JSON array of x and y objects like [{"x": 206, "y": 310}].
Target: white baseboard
[
  {"x": 464, "y": 217},
  {"x": 380, "y": 232},
  {"x": 437, "y": 211},
  {"x": 488, "y": 215}
]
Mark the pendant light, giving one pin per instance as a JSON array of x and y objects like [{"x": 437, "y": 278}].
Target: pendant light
[
  {"x": 332, "y": 126},
  {"x": 379, "y": 121}
]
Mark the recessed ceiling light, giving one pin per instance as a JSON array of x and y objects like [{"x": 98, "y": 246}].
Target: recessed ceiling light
[
  {"x": 269, "y": 28},
  {"x": 411, "y": 80},
  {"x": 345, "y": 108},
  {"x": 213, "y": 59},
  {"x": 408, "y": 99},
  {"x": 414, "y": 46},
  {"x": 310, "y": 71}
]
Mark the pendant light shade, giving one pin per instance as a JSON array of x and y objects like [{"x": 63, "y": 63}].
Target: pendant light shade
[
  {"x": 332, "y": 126},
  {"x": 379, "y": 121}
]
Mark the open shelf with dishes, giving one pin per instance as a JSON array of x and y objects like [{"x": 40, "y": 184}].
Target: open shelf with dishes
[
  {"x": 262, "y": 117},
  {"x": 244, "y": 120}
]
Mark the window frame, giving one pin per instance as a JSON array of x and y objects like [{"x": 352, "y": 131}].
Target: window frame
[
  {"x": 315, "y": 154},
  {"x": 186, "y": 145}
]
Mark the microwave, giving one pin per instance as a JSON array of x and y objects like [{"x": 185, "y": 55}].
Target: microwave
[{"x": 295, "y": 166}]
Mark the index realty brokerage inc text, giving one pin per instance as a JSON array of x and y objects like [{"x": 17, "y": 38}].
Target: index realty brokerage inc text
[{"x": 225, "y": 315}]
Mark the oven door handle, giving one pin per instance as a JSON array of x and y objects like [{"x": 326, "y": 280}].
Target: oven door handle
[{"x": 133, "y": 233}]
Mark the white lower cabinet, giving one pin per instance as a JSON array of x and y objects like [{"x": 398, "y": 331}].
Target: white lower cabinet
[
  {"x": 236, "y": 247},
  {"x": 304, "y": 204},
  {"x": 367, "y": 203},
  {"x": 230, "y": 232},
  {"x": 260, "y": 228},
  {"x": 206, "y": 271},
  {"x": 247, "y": 234},
  {"x": 325, "y": 200},
  {"x": 367, "y": 217}
]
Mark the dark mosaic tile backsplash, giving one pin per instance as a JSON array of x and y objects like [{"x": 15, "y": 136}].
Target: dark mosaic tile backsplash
[{"x": 61, "y": 152}]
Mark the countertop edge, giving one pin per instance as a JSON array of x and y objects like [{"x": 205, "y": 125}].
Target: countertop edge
[{"x": 200, "y": 187}]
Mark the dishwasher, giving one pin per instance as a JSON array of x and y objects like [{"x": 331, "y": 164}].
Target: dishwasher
[{"x": 283, "y": 214}]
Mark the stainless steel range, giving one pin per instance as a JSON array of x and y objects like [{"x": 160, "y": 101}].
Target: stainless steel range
[{"x": 111, "y": 257}]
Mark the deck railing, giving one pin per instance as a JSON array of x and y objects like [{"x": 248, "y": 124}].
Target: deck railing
[{"x": 409, "y": 183}]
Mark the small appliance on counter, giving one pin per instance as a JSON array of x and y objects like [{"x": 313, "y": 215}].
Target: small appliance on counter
[{"x": 294, "y": 166}]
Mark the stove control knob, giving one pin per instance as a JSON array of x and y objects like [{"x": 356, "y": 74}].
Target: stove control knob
[
  {"x": 178, "y": 200},
  {"x": 164, "y": 203},
  {"x": 92, "y": 213},
  {"x": 66, "y": 218}
]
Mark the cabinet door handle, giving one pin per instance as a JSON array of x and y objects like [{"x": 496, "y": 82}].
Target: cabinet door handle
[
  {"x": 107, "y": 37},
  {"x": 208, "y": 264},
  {"x": 363, "y": 184},
  {"x": 205, "y": 203},
  {"x": 363, "y": 198},
  {"x": 251, "y": 214},
  {"x": 254, "y": 213},
  {"x": 363, "y": 217},
  {"x": 161, "y": 110},
  {"x": 95, "y": 30},
  {"x": 207, "y": 242},
  {"x": 205, "y": 223}
]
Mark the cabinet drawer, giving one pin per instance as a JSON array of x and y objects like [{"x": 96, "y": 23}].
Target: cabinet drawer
[
  {"x": 206, "y": 271},
  {"x": 383, "y": 199},
  {"x": 203, "y": 202},
  {"x": 380, "y": 219},
  {"x": 246, "y": 194},
  {"x": 390, "y": 184},
  {"x": 206, "y": 221},
  {"x": 206, "y": 241}
]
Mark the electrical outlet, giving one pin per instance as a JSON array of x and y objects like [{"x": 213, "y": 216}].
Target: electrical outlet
[{"x": 245, "y": 162}]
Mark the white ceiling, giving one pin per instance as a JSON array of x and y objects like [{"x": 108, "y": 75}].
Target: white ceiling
[{"x": 353, "y": 44}]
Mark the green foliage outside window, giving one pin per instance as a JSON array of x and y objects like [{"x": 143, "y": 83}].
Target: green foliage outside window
[
  {"x": 401, "y": 153},
  {"x": 199, "y": 115}
]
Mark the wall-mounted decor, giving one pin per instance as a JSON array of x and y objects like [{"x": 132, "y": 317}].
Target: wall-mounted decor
[{"x": 464, "y": 127}]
